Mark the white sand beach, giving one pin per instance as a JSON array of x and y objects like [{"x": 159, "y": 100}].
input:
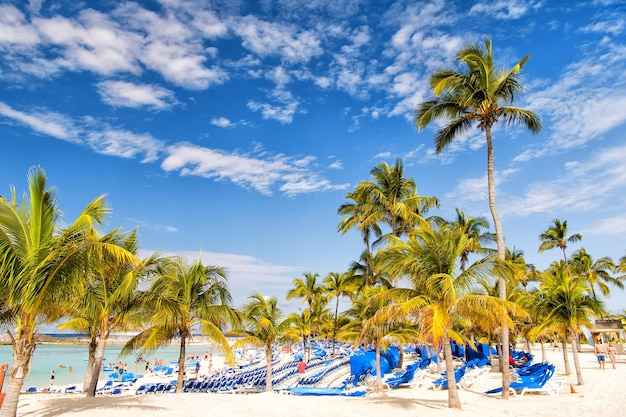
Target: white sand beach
[{"x": 603, "y": 392}]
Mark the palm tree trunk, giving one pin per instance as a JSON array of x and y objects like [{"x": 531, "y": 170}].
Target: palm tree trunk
[
  {"x": 99, "y": 357},
  {"x": 543, "y": 351},
  {"x": 268, "y": 362},
  {"x": 91, "y": 360},
  {"x": 579, "y": 374},
  {"x": 23, "y": 348},
  {"x": 453, "y": 394},
  {"x": 181, "y": 364},
  {"x": 378, "y": 386},
  {"x": 502, "y": 256},
  {"x": 568, "y": 370},
  {"x": 335, "y": 325}
]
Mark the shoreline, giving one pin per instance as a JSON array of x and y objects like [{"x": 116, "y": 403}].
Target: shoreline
[{"x": 602, "y": 391}]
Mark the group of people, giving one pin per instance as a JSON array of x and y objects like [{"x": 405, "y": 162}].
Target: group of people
[{"x": 603, "y": 351}]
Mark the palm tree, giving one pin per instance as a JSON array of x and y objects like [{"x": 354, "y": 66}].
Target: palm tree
[
  {"x": 182, "y": 296},
  {"x": 106, "y": 302},
  {"x": 440, "y": 292},
  {"x": 475, "y": 228},
  {"x": 556, "y": 237},
  {"x": 337, "y": 285},
  {"x": 595, "y": 273},
  {"x": 308, "y": 289},
  {"x": 481, "y": 93},
  {"x": 567, "y": 305},
  {"x": 358, "y": 215},
  {"x": 264, "y": 325},
  {"x": 38, "y": 262},
  {"x": 394, "y": 199}
]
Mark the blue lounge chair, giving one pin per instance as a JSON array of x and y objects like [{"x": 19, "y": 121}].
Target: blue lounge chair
[
  {"x": 540, "y": 379},
  {"x": 442, "y": 383}
]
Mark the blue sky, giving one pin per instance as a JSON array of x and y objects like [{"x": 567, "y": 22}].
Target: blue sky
[{"x": 237, "y": 127}]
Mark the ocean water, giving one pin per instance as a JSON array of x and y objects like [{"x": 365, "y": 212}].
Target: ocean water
[{"x": 61, "y": 357}]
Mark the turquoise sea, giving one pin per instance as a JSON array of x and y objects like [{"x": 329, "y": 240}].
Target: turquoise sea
[{"x": 60, "y": 357}]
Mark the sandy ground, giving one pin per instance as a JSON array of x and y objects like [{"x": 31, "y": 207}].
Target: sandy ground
[{"x": 603, "y": 392}]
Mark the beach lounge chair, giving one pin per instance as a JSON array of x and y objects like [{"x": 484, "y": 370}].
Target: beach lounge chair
[
  {"x": 70, "y": 389},
  {"x": 116, "y": 391},
  {"x": 31, "y": 390},
  {"x": 413, "y": 376},
  {"x": 541, "y": 379},
  {"x": 442, "y": 383}
]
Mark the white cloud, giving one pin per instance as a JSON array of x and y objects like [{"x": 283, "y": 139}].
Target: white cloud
[
  {"x": 124, "y": 144},
  {"x": 586, "y": 186},
  {"x": 282, "y": 113},
  {"x": 52, "y": 124},
  {"x": 125, "y": 94},
  {"x": 579, "y": 105},
  {"x": 14, "y": 29},
  {"x": 614, "y": 27},
  {"x": 269, "y": 38},
  {"x": 92, "y": 41},
  {"x": 260, "y": 172},
  {"x": 221, "y": 122},
  {"x": 504, "y": 9},
  {"x": 153, "y": 226},
  {"x": 614, "y": 226}
]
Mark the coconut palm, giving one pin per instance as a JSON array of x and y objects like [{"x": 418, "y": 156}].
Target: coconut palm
[
  {"x": 481, "y": 94},
  {"x": 106, "y": 302},
  {"x": 394, "y": 199},
  {"x": 263, "y": 325},
  {"x": 567, "y": 305},
  {"x": 440, "y": 291},
  {"x": 556, "y": 237},
  {"x": 357, "y": 212},
  {"x": 596, "y": 273},
  {"x": 38, "y": 263},
  {"x": 476, "y": 230},
  {"x": 337, "y": 285},
  {"x": 182, "y": 296},
  {"x": 366, "y": 328},
  {"x": 308, "y": 289}
]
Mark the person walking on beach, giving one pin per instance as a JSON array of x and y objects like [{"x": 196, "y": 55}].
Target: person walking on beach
[
  {"x": 600, "y": 351},
  {"x": 612, "y": 352},
  {"x": 301, "y": 366}
]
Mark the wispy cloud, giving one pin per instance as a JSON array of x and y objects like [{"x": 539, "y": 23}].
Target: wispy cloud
[
  {"x": 586, "y": 185},
  {"x": 125, "y": 94},
  {"x": 257, "y": 170},
  {"x": 579, "y": 105},
  {"x": 246, "y": 274},
  {"x": 505, "y": 9},
  {"x": 153, "y": 226},
  {"x": 49, "y": 123}
]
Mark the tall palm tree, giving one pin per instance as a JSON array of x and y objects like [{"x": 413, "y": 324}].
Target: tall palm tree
[
  {"x": 481, "y": 94},
  {"x": 182, "y": 296},
  {"x": 596, "y": 273},
  {"x": 556, "y": 237},
  {"x": 263, "y": 325},
  {"x": 357, "y": 215},
  {"x": 440, "y": 292},
  {"x": 567, "y": 305},
  {"x": 337, "y": 285},
  {"x": 38, "y": 262},
  {"x": 105, "y": 303}
]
